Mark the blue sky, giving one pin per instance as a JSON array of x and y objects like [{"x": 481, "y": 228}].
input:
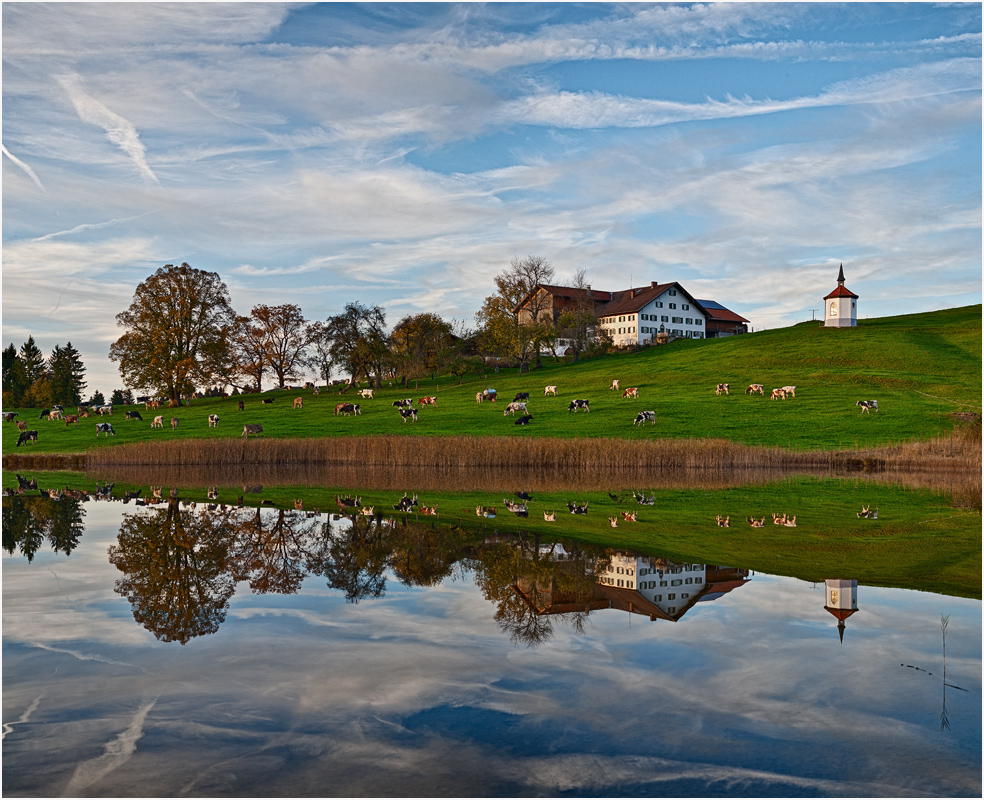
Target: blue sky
[{"x": 403, "y": 154}]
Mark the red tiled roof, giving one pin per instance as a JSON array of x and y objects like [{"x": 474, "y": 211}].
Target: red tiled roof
[
  {"x": 841, "y": 291},
  {"x": 724, "y": 315}
]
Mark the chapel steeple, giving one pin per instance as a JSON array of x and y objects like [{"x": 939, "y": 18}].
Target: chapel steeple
[{"x": 841, "y": 305}]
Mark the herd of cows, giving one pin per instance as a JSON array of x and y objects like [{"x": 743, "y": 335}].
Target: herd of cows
[{"x": 408, "y": 412}]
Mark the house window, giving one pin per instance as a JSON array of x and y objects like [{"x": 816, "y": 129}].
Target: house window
[
  {"x": 672, "y": 305},
  {"x": 678, "y": 319},
  {"x": 673, "y": 292},
  {"x": 686, "y": 307},
  {"x": 671, "y": 597},
  {"x": 698, "y": 580},
  {"x": 672, "y": 611},
  {"x": 621, "y": 319},
  {"x": 659, "y": 304},
  {"x": 658, "y": 598},
  {"x": 698, "y": 321},
  {"x": 631, "y": 317},
  {"x": 690, "y": 321},
  {"x": 664, "y": 318},
  {"x": 662, "y": 583}
]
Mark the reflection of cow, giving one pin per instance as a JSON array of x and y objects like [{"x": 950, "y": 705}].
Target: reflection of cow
[
  {"x": 550, "y": 516},
  {"x": 723, "y": 522},
  {"x": 578, "y": 509}
]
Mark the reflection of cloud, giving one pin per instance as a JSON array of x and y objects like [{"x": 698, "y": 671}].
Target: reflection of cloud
[
  {"x": 8, "y": 727},
  {"x": 117, "y": 753}
]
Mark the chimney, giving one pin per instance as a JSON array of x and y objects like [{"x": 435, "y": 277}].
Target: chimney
[{"x": 652, "y": 284}]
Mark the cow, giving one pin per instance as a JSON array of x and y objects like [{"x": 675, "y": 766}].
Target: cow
[
  {"x": 134, "y": 415},
  {"x": 867, "y": 405},
  {"x": 298, "y": 402},
  {"x": 83, "y": 411},
  {"x": 55, "y": 414},
  {"x": 213, "y": 493},
  {"x": 630, "y": 516},
  {"x": 174, "y": 423},
  {"x": 490, "y": 394},
  {"x": 8, "y": 416},
  {"x": 352, "y": 408},
  {"x": 22, "y": 426},
  {"x": 723, "y": 522},
  {"x": 365, "y": 394},
  {"x": 367, "y": 511},
  {"x": 613, "y": 521},
  {"x": 308, "y": 385},
  {"x": 248, "y": 429},
  {"x": 722, "y": 388},
  {"x": 577, "y": 405},
  {"x": 339, "y": 407},
  {"x": 71, "y": 419},
  {"x": 513, "y": 407},
  {"x": 408, "y": 414},
  {"x": 632, "y": 391},
  {"x": 645, "y": 500},
  {"x": 479, "y": 397},
  {"x": 756, "y": 523},
  {"x": 428, "y": 511},
  {"x": 614, "y": 384},
  {"x": 26, "y": 436},
  {"x": 578, "y": 509},
  {"x": 242, "y": 405},
  {"x": 151, "y": 404},
  {"x": 24, "y": 483},
  {"x": 213, "y": 420},
  {"x": 524, "y": 420},
  {"x": 103, "y": 410},
  {"x": 520, "y": 509},
  {"x": 549, "y": 516},
  {"x": 316, "y": 390},
  {"x": 777, "y": 394},
  {"x": 427, "y": 401},
  {"x": 645, "y": 416},
  {"x": 549, "y": 390},
  {"x": 105, "y": 427},
  {"x": 406, "y": 403},
  {"x": 755, "y": 388},
  {"x": 521, "y": 397},
  {"x": 157, "y": 423},
  {"x": 406, "y": 503},
  {"x": 790, "y": 391},
  {"x": 45, "y": 413},
  {"x": 267, "y": 400}
]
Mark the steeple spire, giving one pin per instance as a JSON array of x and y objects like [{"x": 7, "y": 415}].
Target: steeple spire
[{"x": 840, "y": 275}]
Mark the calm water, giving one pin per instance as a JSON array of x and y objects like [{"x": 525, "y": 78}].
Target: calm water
[{"x": 282, "y": 654}]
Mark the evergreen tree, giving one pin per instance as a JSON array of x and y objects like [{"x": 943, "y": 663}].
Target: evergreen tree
[
  {"x": 33, "y": 360},
  {"x": 97, "y": 399},
  {"x": 66, "y": 370},
  {"x": 14, "y": 378}
]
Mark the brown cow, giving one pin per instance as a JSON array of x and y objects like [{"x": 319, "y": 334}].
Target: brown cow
[
  {"x": 428, "y": 401},
  {"x": 298, "y": 402},
  {"x": 71, "y": 418},
  {"x": 632, "y": 391}
]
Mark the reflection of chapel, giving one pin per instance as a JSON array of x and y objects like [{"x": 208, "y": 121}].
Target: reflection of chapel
[
  {"x": 842, "y": 601},
  {"x": 840, "y": 306}
]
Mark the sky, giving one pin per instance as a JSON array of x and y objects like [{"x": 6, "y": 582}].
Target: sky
[{"x": 402, "y": 155}]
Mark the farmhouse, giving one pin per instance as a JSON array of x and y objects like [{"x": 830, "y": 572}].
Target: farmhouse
[{"x": 635, "y": 316}]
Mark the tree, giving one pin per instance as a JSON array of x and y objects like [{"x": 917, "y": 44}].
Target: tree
[
  {"x": 177, "y": 332},
  {"x": 122, "y": 397},
  {"x": 578, "y": 320},
  {"x": 14, "y": 378},
  {"x": 248, "y": 351},
  {"x": 285, "y": 339},
  {"x": 67, "y": 374},
  {"x": 356, "y": 341},
  {"x": 420, "y": 343},
  {"x": 32, "y": 359},
  {"x": 40, "y": 394},
  {"x": 97, "y": 399}
]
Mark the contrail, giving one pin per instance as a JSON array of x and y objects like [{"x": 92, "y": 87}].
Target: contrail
[
  {"x": 23, "y": 166},
  {"x": 89, "y": 226}
]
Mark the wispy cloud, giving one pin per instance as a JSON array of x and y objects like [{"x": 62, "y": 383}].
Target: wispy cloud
[{"x": 30, "y": 172}]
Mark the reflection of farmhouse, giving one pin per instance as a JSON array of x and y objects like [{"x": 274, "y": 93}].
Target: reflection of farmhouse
[
  {"x": 636, "y": 316},
  {"x": 642, "y": 585},
  {"x": 842, "y": 601}
]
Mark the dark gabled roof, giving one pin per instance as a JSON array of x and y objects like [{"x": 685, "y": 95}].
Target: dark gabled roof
[
  {"x": 631, "y": 300},
  {"x": 718, "y": 312},
  {"x": 562, "y": 291}
]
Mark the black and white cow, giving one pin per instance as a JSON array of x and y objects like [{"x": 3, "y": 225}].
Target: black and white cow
[
  {"x": 645, "y": 416},
  {"x": 513, "y": 407},
  {"x": 403, "y": 403},
  {"x": 578, "y": 509},
  {"x": 867, "y": 405},
  {"x": 45, "y": 413},
  {"x": 577, "y": 405},
  {"x": 213, "y": 420},
  {"x": 406, "y": 503},
  {"x": 408, "y": 414},
  {"x": 134, "y": 415},
  {"x": 346, "y": 409},
  {"x": 524, "y": 420},
  {"x": 521, "y": 397},
  {"x": 8, "y": 416},
  {"x": 105, "y": 427},
  {"x": 27, "y": 436}
]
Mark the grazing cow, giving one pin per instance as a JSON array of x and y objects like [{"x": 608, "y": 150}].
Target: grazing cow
[
  {"x": 316, "y": 390},
  {"x": 722, "y": 388},
  {"x": 867, "y": 405},
  {"x": 630, "y": 516},
  {"x": 8, "y": 416},
  {"x": 174, "y": 423},
  {"x": 549, "y": 390},
  {"x": 614, "y": 384},
  {"x": 777, "y": 394},
  {"x": 298, "y": 402},
  {"x": 613, "y": 521},
  {"x": 524, "y": 420},
  {"x": 408, "y": 414},
  {"x": 632, "y": 391},
  {"x": 213, "y": 420},
  {"x": 403, "y": 403},
  {"x": 152, "y": 404},
  {"x": 723, "y": 522},
  {"x": 578, "y": 509},
  {"x": 521, "y": 397},
  {"x": 346, "y": 409},
  {"x": 22, "y": 426},
  {"x": 308, "y": 385},
  {"x": 248, "y": 429},
  {"x": 55, "y": 414},
  {"x": 512, "y": 408},
  {"x": 103, "y": 410},
  {"x": 71, "y": 419},
  {"x": 366, "y": 394},
  {"x": 105, "y": 427},
  {"x": 242, "y": 405},
  {"x": 790, "y": 391},
  {"x": 157, "y": 423},
  {"x": 577, "y": 405},
  {"x": 267, "y": 400},
  {"x": 427, "y": 401},
  {"x": 479, "y": 397},
  {"x": 549, "y": 516},
  {"x": 645, "y": 416},
  {"x": 134, "y": 415},
  {"x": 26, "y": 436},
  {"x": 45, "y": 413},
  {"x": 755, "y": 388}
]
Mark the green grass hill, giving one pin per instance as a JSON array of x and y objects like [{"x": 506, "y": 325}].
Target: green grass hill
[{"x": 921, "y": 368}]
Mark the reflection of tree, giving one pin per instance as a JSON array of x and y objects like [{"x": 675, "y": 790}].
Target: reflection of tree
[
  {"x": 177, "y": 570},
  {"x": 423, "y": 555},
  {"x": 529, "y": 583},
  {"x": 29, "y": 521},
  {"x": 354, "y": 559},
  {"x": 273, "y": 554}
]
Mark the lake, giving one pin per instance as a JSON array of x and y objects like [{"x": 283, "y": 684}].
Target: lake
[{"x": 166, "y": 650}]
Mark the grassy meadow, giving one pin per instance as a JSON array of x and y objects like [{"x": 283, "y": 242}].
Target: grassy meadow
[{"x": 922, "y": 369}]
